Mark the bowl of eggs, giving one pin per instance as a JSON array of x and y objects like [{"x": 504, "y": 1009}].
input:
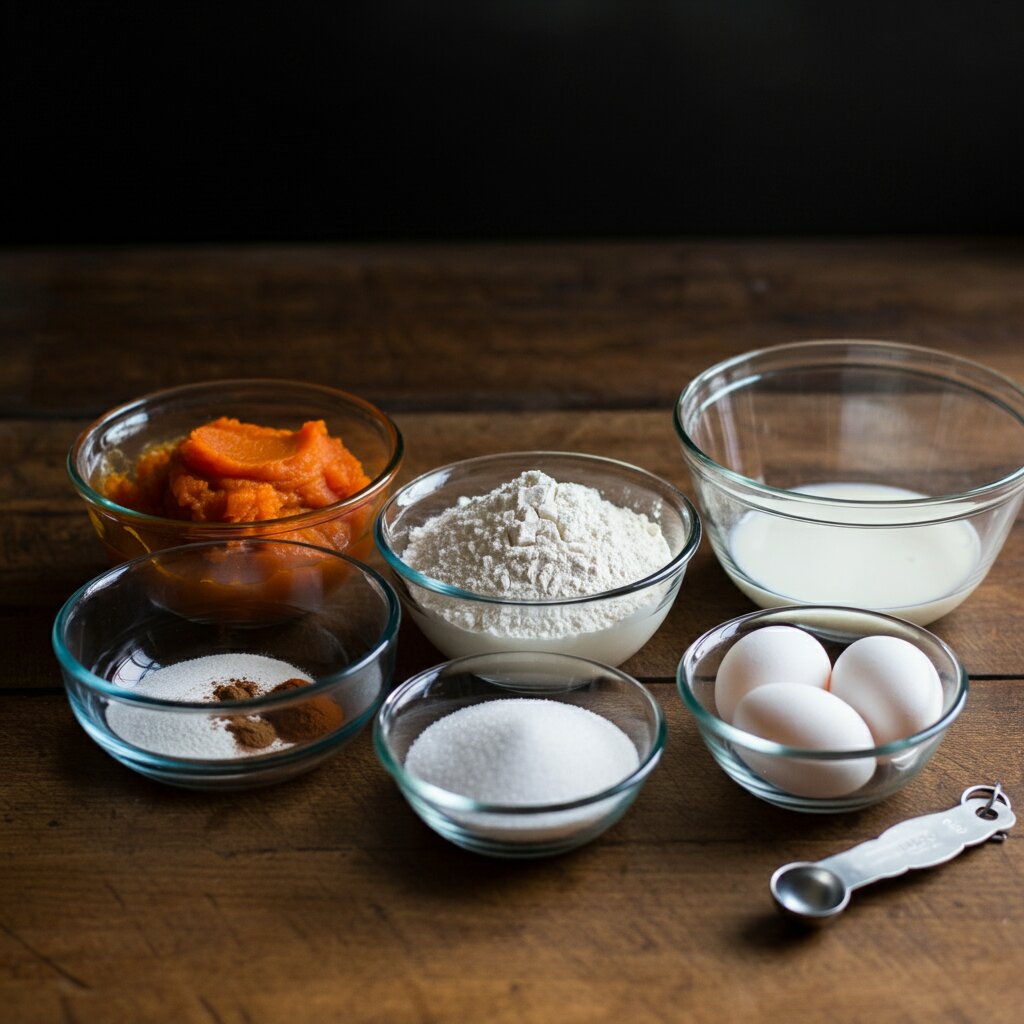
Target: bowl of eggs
[
  {"x": 861, "y": 473},
  {"x": 820, "y": 708}
]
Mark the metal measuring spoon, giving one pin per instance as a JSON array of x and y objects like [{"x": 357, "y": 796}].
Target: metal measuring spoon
[{"x": 818, "y": 891}]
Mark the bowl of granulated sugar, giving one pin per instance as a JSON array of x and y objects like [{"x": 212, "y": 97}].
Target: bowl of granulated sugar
[
  {"x": 520, "y": 754},
  {"x": 553, "y": 551},
  {"x": 228, "y": 665}
]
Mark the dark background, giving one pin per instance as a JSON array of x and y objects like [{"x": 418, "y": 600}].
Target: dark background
[{"x": 509, "y": 119}]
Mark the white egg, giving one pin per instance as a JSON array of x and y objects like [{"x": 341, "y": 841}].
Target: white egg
[
  {"x": 811, "y": 719},
  {"x": 773, "y": 654},
  {"x": 891, "y": 683}
]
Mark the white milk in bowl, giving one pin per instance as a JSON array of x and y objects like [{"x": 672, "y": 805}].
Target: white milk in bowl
[{"x": 916, "y": 572}]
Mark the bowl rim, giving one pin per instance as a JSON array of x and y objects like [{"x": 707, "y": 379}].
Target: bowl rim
[
  {"x": 311, "y": 517},
  {"x": 696, "y": 455},
  {"x": 709, "y": 722},
  {"x": 683, "y": 507},
  {"x": 93, "y": 682},
  {"x": 437, "y": 796}
]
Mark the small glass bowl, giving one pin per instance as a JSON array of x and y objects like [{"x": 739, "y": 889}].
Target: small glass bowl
[
  {"x": 751, "y": 760},
  {"x": 927, "y": 450},
  {"x": 321, "y": 613},
  {"x": 460, "y": 622},
  {"x": 518, "y": 831},
  {"x": 114, "y": 442}
]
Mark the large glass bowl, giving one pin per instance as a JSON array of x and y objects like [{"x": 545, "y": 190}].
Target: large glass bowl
[
  {"x": 275, "y": 608},
  {"x": 609, "y": 626},
  {"x": 758, "y": 764},
  {"x": 859, "y": 473},
  {"x": 114, "y": 442},
  {"x": 518, "y": 830}
]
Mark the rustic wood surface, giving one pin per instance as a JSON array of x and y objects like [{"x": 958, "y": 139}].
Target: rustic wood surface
[{"x": 326, "y": 898}]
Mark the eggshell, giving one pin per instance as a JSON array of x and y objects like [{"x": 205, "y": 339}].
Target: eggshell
[
  {"x": 891, "y": 683},
  {"x": 812, "y": 719},
  {"x": 772, "y": 654}
]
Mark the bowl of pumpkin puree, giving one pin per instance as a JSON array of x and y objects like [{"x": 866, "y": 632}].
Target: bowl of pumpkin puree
[{"x": 237, "y": 459}]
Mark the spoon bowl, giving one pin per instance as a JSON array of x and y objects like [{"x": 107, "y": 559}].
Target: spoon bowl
[{"x": 809, "y": 891}]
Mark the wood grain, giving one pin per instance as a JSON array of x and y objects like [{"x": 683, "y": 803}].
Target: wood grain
[
  {"x": 326, "y": 898},
  {"x": 464, "y": 327}
]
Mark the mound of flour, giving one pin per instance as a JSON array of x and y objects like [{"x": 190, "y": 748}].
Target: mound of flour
[{"x": 532, "y": 539}]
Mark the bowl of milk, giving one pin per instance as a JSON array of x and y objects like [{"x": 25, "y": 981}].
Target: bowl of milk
[{"x": 859, "y": 473}]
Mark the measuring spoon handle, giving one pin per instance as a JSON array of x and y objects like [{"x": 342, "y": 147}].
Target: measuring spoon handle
[{"x": 920, "y": 842}]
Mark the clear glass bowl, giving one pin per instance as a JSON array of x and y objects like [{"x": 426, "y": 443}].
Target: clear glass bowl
[
  {"x": 322, "y": 614},
  {"x": 460, "y": 623},
  {"x": 517, "y": 831},
  {"x": 859, "y": 473},
  {"x": 752, "y": 761},
  {"x": 114, "y": 442}
]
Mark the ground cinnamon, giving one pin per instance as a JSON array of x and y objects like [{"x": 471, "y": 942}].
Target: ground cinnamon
[
  {"x": 252, "y": 733},
  {"x": 306, "y": 721},
  {"x": 249, "y": 733},
  {"x": 236, "y": 689}
]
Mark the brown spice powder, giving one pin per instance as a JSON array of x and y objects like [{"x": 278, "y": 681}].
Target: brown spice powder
[
  {"x": 236, "y": 689},
  {"x": 249, "y": 733},
  {"x": 306, "y": 721},
  {"x": 252, "y": 733}
]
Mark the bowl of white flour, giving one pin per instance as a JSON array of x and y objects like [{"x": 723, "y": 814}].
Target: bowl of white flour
[
  {"x": 538, "y": 551},
  {"x": 521, "y": 754},
  {"x": 228, "y": 665}
]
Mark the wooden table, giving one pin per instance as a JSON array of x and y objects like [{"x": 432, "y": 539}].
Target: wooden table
[{"x": 326, "y": 898}]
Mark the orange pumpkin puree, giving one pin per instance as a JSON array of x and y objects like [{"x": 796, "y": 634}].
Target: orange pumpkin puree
[{"x": 233, "y": 472}]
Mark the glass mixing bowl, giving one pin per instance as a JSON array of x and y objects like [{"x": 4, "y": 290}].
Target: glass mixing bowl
[
  {"x": 859, "y": 473},
  {"x": 609, "y": 626},
  {"x": 518, "y": 830},
  {"x": 762, "y": 766},
  {"x": 115, "y": 441},
  {"x": 206, "y": 616}
]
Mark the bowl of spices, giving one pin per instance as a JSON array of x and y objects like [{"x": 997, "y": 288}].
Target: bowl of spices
[
  {"x": 821, "y": 709},
  {"x": 520, "y": 754},
  {"x": 861, "y": 473},
  {"x": 567, "y": 553},
  {"x": 236, "y": 458},
  {"x": 228, "y": 665}
]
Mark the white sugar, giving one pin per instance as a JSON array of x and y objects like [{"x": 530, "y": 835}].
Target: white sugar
[
  {"x": 188, "y": 733},
  {"x": 522, "y": 751}
]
